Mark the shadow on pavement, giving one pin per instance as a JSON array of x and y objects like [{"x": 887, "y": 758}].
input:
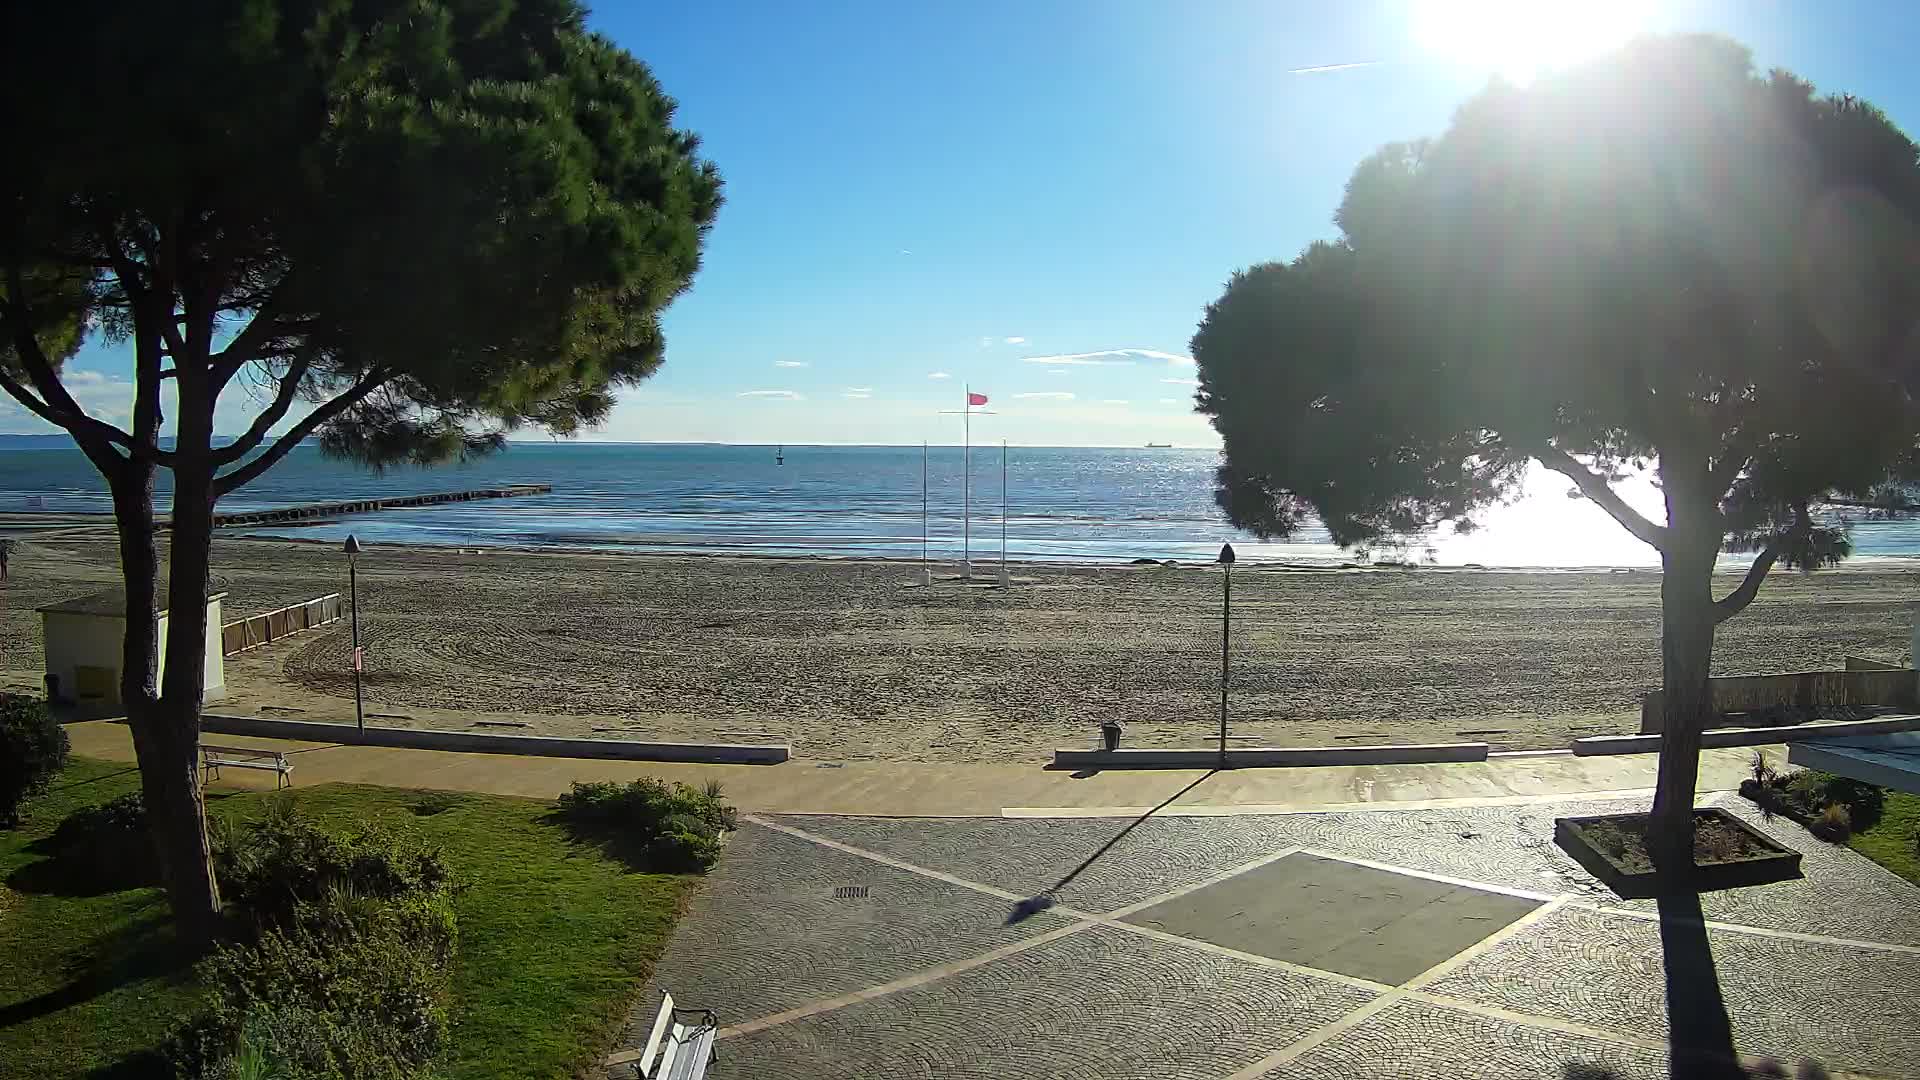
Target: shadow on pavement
[{"x": 1043, "y": 900}]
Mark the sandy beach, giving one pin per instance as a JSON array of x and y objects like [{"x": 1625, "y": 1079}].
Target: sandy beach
[{"x": 852, "y": 661}]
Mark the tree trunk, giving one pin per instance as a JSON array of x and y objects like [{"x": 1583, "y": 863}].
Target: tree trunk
[
  {"x": 1687, "y": 621},
  {"x": 182, "y": 822}
]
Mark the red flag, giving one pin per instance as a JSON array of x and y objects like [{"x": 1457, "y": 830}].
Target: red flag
[{"x": 976, "y": 399}]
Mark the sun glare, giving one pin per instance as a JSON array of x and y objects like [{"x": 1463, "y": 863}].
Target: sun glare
[{"x": 1519, "y": 39}]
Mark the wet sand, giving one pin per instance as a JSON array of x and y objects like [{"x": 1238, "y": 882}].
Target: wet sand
[{"x": 853, "y": 661}]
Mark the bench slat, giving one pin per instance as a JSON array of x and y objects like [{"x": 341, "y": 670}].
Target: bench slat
[
  {"x": 697, "y": 1052},
  {"x": 659, "y": 1030}
]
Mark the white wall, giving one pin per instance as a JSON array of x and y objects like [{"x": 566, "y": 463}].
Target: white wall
[{"x": 76, "y": 641}]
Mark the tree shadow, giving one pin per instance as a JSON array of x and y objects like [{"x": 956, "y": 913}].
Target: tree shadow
[
  {"x": 144, "y": 950},
  {"x": 1041, "y": 901},
  {"x": 1699, "y": 1033}
]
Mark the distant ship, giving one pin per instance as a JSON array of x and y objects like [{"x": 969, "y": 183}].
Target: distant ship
[{"x": 1159, "y": 446}]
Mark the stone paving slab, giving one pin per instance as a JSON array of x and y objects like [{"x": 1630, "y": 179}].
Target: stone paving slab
[
  {"x": 1338, "y": 916},
  {"x": 1848, "y": 1008},
  {"x": 766, "y": 933},
  {"x": 1101, "y": 1004},
  {"x": 1844, "y": 894},
  {"x": 1413, "y": 1040}
]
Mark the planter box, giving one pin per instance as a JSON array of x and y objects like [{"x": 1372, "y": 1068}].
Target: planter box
[{"x": 1766, "y": 860}]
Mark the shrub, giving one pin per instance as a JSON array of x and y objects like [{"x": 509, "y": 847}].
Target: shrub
[
  {"x": 343, "y": 964},
  {"x": 672, "y": 830},
  {"x": 1834, "y": 824},
  {"x": 109, "y": 845},
  {"x": 1814, "y": 791},
  {"x": 349, "y": 987},
  {"x": 272, "y": 864},
  {"x": 33, "y": 747}
]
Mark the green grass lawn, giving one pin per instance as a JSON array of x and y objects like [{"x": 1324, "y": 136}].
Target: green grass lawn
[
  {"x": 555, "y": 938},
  {"x": 1891, "y": 840}
]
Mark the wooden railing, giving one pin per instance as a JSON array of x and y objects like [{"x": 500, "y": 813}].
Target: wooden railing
[{"x": 258, "y": 630}]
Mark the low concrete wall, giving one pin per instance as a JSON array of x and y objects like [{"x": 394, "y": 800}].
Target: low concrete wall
[
  {"x": 1757, "y": 736},
  {"x": 1246, "y": 757},
  {"x": 1743, "y": 693},
  {"x": 479, "y": 743},
  {"x": 1862, "y": 663}
]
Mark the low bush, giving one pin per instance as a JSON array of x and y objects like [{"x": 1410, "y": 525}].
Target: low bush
[
  {"x": 342, "y": 962},
  {"x": 108, "y": 846},
  {"x": 33, "y": 746},
  {"x": 673, "y": 829},
  {"x": 1818, "y": 800},
  {"x": 349, "y": 987},
  {"x": 269, "y": 866},
  {"x": 1834, "y": 825}
]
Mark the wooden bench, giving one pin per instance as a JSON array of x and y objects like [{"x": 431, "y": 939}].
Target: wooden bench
[
  {"x": 215, "y": 758},
  {"x": 675, "y": 1050}
]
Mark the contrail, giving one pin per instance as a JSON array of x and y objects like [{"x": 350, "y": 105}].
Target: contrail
[{"x": 1319, "y": 69}]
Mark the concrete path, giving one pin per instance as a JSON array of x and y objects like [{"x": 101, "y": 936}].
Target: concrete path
[{"x": 907, "y": 789}]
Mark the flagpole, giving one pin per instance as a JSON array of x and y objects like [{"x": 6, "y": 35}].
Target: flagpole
[
  {"x": 1004, "y": 580},
  {"x": 926, "y": 575},
  {"x": 966, "y": 485}
]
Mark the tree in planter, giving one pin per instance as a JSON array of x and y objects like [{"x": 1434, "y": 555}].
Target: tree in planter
[
  {"x": 404, "y": 227},
  {"x": 1655, "y": 259}
]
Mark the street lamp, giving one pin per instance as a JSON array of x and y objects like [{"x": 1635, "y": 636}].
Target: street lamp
[
  {"x": 1226, "y": 636},
  {"x": 352, "y": 549}
]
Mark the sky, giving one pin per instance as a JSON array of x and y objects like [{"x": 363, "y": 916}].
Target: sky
[{"x": 1037, "y": 200}]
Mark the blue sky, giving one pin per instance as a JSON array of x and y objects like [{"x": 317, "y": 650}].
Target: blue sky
[{"x": 916, "y": 189}]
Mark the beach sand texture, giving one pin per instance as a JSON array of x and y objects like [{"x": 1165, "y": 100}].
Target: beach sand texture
[{"x": 848, "y": 661}]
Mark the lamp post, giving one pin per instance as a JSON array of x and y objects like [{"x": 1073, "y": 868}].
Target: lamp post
[
  {"x": 1226, "y": 637},
  {"x": 353, "y": 592}
]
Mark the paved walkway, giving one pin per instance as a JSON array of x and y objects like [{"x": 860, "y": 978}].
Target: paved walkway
[
  {"x": 1443, "y": 942},
  {"x": 1351, "y": 923},
  {"x": 950, "y": 790}
]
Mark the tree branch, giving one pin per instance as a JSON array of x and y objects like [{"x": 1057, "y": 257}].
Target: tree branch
[
  {"x": 247, "y": 345},
  {"x": 277, "y": 410},
  {"x": 55, "y": 405},
  {"x": 1595, "y": 487},
  {"x": 245, "y": 474},
  {"x": 1736, "y": 601}
]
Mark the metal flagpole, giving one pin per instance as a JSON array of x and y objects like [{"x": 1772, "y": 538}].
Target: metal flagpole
[
  {"x": 926, "y": 574},
  {"x": 1004, "y": 580},
  {"x": 966, "y": 484}
]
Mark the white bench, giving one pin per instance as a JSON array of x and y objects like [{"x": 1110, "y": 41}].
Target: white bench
[
  {"x": 675, "y": 1050},
  {"x": 215, "y": 758}
]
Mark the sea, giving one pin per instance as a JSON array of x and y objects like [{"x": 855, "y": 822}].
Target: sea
[{"x": 1057, "y": 504}]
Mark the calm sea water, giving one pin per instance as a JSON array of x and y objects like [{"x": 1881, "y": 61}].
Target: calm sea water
[{"x": 854, "y": 501}]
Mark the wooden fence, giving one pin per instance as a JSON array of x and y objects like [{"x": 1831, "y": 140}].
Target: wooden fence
[
  {"x": 249, "y": 633},
  {"x": 1808, "y": 689}
]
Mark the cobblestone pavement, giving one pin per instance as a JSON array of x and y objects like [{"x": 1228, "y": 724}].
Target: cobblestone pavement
[{"x": 889, "y": 947}]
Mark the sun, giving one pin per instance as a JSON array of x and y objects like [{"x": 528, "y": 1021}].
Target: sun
[{"x": 1519, "y": 39}]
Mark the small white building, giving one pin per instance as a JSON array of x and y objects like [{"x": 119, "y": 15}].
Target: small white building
[{"x": 84, "y": 641}]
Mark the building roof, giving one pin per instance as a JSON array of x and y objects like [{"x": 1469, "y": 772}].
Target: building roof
[{"x": 110, "y": 604}]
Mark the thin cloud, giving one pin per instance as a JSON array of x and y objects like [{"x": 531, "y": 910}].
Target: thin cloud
[
  {"x": 1322, "y": 69},
  {"x": 1114, "y": 401},
  {"x": 1110, "y": 358},
  {"x": 856, "y": 397},
  {"x": 1014, "y": 341},
  {"x": 782, "y": 395},
  {"x": 789, "y": 363},
  {"x": 938, "y": 375},
  {"x": 1050, "y": 395},
  {"x": 904, "y": 251},
  {"x": 82, "y": 378},
  {"x": 859, "y": 389},
  {"x": 1182, "y": 382}
]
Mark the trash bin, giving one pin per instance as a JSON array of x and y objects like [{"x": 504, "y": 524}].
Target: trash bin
[{"x": 1110, "y": 735}]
